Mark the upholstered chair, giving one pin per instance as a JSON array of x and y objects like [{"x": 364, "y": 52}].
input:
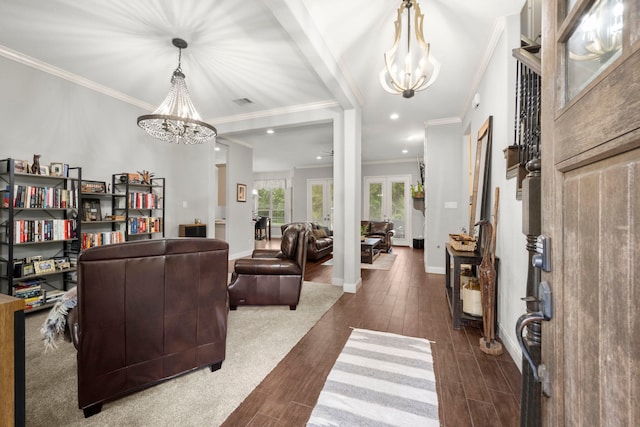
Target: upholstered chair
[
  {"x": 380, "y": 229},
  {"x": 274, "y": 280}
]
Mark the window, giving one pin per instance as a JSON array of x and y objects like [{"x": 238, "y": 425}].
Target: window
[{"x": 271, "y": 199}]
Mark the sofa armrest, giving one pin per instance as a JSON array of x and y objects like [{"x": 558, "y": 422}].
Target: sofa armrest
[
  {"x": 72, "y": 327},
  {"x": 266, "y": 266}
]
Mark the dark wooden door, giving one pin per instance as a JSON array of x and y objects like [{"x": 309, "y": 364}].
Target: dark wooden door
[{"x": 591, "y": 210}]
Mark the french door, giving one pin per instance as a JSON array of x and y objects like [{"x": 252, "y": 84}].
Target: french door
[
  {"x": 388, "y": 198},
  {"x": 320, "y": 201}
]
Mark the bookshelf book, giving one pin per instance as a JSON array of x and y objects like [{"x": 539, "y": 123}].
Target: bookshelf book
[
  {"x": 39, "y": 233},
  {"x": 138, "y": 206}
]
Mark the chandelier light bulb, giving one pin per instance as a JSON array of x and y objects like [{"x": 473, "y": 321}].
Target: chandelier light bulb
[
  {"x": 176, "y": 119},
  {"x": 407, "y": 82}
]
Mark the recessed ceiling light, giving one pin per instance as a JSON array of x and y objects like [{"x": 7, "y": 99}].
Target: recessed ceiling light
[
  {"x": 270, "y": 131},
  {"x": 318, "y": 157},
  {"x": 394, "y": 116},
  {"x": 405, "y": 151},
  {"x": 217, "y": 149}
]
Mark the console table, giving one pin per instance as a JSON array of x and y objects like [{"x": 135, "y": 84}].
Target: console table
[{"x": 458, "y": 317}]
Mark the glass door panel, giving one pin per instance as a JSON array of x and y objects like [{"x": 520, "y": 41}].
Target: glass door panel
[
  {"x": 320, "y": 201},
  {"x": 375, "y": 195},
  {"x": 398, "y": 208},
  {"x": 387, "y": 199}
]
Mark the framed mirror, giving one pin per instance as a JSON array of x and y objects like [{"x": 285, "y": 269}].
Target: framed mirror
[{"x": 479, "y": 207}]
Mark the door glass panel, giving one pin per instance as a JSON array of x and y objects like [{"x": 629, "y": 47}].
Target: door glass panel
[
  {"x": 375, "y": 201},
  {"x": 277, "y": 206},
  {"x": 317, "y": 202},
  {"x": 398, "y": 208},
  {"x": 594, "y": 45}
]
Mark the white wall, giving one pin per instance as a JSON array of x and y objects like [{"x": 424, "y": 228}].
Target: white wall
[
  {"x": 67, "y": 123},
  {"x": 497, "y": 91},
  {"x": 300, "y": 177},
  {"x": 443, "y": 181},
  {"x": 239, "y": 223}
]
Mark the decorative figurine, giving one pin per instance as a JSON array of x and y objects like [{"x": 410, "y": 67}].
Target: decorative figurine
[
  {"x": 35, "y": 167},
  {"x": 145, "y": 176},
  {"x": 487, "y": 275}
]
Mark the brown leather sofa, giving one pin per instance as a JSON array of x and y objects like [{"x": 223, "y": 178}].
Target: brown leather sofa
[
  {"x": 380, "y": 229},
  {"x": 320, "y": 243},
  {"x": 272, "y": 277},
  {"x": 148, "y": 311}
]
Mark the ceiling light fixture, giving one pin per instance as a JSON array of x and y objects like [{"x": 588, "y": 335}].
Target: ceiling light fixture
[
  {"x": 176, "y": 119},
  {"x": 404, "y": 79},
  {"x": 394, "y": 116},
  {"x": 270, "y": 131}
]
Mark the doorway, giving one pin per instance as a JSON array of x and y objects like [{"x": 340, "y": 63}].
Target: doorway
[
  {"x": 388, "y": 198},
  {"x": 320, "y": 201}
]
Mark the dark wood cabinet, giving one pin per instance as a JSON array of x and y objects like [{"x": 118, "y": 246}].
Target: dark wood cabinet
[{"x": 192, "y": 230}]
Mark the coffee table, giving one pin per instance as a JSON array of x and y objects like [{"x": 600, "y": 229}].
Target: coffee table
[{"x": 369, "y": 249}]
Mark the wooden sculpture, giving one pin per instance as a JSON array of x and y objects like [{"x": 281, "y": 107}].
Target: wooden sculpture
[{"x": 487, "y": 276}]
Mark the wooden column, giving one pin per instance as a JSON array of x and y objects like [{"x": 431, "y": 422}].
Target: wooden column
[{"x": 12, "y": 376}]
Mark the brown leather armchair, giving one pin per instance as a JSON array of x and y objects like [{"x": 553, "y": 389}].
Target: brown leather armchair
[
  {"x": 271, "y": 278},
  {"x": 380, "y": 229},
  {"x": 148, "y": 311}
]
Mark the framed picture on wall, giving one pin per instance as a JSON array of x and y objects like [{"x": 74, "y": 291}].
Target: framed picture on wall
[{"x": 242, "y": 192}]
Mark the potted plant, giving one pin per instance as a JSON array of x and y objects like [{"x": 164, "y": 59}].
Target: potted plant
[{"x": 417, "y": 192}]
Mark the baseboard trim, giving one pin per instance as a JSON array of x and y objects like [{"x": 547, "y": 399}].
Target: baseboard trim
[
  {"x": 512, "y": 348},
  {"x": 352, "y": 287},
  {"x": 436, "y": 270}
]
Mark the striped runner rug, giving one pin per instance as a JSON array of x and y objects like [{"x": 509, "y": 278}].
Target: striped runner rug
[{"x": 379, "y": 379}]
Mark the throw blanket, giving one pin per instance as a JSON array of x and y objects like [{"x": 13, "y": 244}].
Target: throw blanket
[
  {"x": 55, "y": 325},
  {"x": 379, "y": 379}
]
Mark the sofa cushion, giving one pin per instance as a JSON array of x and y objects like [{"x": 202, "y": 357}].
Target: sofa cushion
[
  {"x": 378, "y": 227},
  {"x": 319, "y": 233}
]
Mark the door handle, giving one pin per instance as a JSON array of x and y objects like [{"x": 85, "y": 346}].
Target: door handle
[{"x": 545, "y": 313}]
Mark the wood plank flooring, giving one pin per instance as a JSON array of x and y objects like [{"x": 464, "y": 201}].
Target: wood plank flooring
[{"x": 474, "y": 389}]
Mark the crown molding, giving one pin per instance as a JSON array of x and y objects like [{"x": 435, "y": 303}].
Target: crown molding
[
  {"x": 443, "y": 121},
  {"x": 330, "y": 103},
  {"x": 73, "y": 78}
]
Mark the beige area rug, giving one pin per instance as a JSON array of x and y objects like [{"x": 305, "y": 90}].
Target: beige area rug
[
  {"x": 257, "y": 339},
  {"x": 383, "y": 262}
]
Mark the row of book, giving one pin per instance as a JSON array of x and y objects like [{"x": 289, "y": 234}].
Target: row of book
[
  {"x": 35, "y": 293},
  {"x": 144, "y": 224},
  {"x": 41, "y": 230},
  {"x": 142, "y": 201},
  {"x": 90, "y": 240},
  {"x": 27, "y": 196}
]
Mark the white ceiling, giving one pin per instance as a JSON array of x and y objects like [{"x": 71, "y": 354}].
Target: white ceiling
[{"x": 284, "y": 55}]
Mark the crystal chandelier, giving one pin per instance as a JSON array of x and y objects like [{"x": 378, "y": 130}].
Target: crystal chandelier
[
  {"x": 176, "y": 119},
  {"x": 404, "y": 79}
]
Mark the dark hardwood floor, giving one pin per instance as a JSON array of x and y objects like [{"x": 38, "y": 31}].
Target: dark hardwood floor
[{"x": 474, "y": 389}]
